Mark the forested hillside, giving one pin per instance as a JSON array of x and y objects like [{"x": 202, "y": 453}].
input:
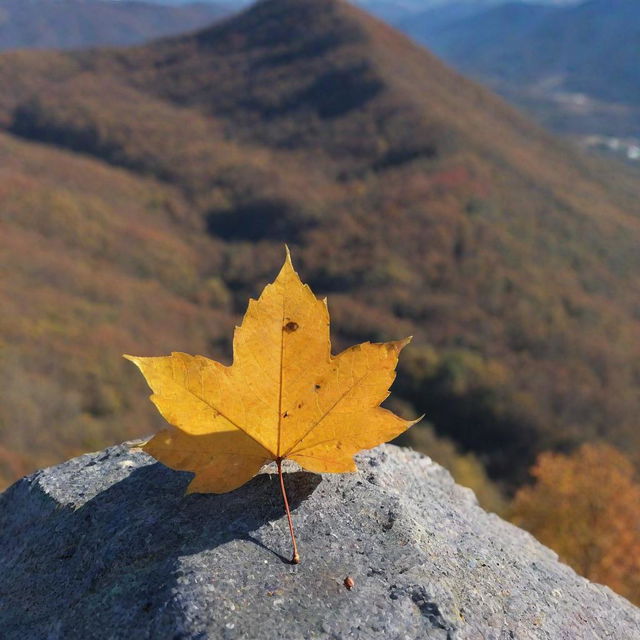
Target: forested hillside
[{"x": 146, "y": 192}]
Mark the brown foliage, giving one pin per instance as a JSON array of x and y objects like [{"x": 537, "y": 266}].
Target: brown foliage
[{"x": 586, "y": 506}]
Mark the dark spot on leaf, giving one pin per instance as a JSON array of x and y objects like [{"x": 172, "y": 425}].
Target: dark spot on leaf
[
  {"x": 317, "y": 386},
  {"x": 285, "y": 414},
  {"x": 290, "y": 327}
]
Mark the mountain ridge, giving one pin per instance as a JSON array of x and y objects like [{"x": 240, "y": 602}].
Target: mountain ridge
[{"x": 68, "y": 24}]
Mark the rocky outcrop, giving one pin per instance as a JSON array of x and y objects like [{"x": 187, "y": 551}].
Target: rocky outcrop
[{"x": 108, "y": 546}]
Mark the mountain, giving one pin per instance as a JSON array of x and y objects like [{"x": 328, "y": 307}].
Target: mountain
[
  {"x": 403, "y": 12},
  {"x": 67, "y": 24},
  {"x": 146, "y": 192},
  {"x": 576, "y": 68},
  {"x": 445, "y": 26}
]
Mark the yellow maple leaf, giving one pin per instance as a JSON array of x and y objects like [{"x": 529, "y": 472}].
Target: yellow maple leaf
[{"x": 284, "y": 397}]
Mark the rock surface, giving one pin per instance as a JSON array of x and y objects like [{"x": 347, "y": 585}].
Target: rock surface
[{"x": 107, "y": 546}]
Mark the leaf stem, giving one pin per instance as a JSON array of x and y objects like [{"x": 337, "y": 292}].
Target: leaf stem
[{"x": 296, "y": 556}]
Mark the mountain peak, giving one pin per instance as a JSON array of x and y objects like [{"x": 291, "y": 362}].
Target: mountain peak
[
  {"x": 286, "y": 69},
  {"x": 276, "y": 22}
]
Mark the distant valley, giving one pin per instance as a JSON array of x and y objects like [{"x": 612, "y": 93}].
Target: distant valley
[{"x": 575, "y": 68}]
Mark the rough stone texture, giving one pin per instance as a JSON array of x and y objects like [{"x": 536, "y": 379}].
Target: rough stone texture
[{"x": 107, "y": 546}]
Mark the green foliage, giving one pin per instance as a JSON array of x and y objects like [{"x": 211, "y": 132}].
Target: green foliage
[{"x": 472, "y": 399}]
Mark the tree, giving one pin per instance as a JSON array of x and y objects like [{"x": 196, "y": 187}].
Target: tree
[{"x": 586, "y": 506}]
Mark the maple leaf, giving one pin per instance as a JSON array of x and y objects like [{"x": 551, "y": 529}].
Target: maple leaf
[{"x": 284, "y": 397}]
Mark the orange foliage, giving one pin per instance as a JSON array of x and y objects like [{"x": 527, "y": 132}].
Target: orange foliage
[{"x": 586, "y": 506}]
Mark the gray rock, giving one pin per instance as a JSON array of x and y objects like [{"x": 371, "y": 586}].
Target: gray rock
[{"x": 107, "y": 546}]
